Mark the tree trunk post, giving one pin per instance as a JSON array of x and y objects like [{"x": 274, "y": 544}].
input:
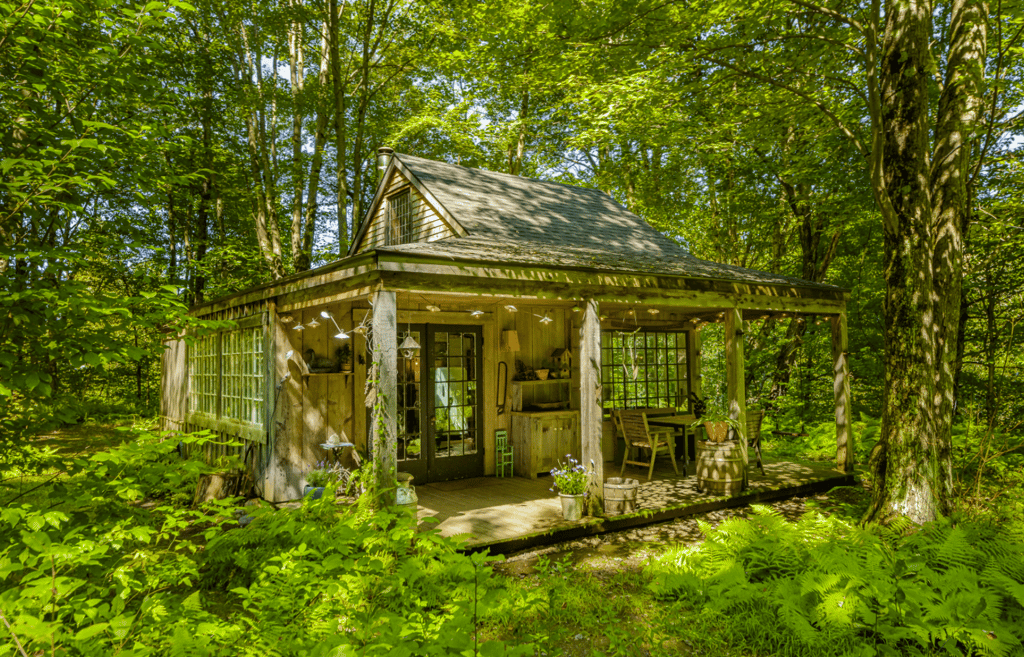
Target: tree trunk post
[
  {"x": 383, "y": 426},
  {"x": 284, "y": 472},
  {"x": 841, "y": 387},
  {"x": 737, "y": 392},
  {"x": 591, "y": 416}
]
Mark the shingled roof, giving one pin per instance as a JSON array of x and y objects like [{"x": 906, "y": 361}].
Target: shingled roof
[{"x": 517, "y": 220}]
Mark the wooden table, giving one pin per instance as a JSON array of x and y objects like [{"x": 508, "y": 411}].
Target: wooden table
[{"x": 677, "y": 422}]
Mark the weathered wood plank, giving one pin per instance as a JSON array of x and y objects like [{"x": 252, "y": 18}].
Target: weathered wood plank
[
  {"x": 841, "y": 388},
  {"x": 286, "y": 458},
  {"x": 734, "y": 368},
  {"x": 603, "y": 286},
  {"x": 174, "y": 385},
  {"x": 591, "y": 416},
  {"x": 383, "y": 426}
]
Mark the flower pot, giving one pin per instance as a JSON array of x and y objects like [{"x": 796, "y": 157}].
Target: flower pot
[
  {"x": 542, "y": 375},
  {"x": 313, "y": 492},
  {"x": 405, "y": 494},
  {"x": 620, "y": 496},
  {"x": 572, "y": 506}
]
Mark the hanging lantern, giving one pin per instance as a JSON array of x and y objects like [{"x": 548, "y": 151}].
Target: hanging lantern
[{"x": 409, "y": 346}]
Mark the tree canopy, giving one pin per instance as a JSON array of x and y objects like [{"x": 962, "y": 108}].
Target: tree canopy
[{"x": 160, "y": 154}]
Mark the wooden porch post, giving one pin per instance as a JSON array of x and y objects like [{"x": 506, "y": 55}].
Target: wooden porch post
[
  {"x": 737, "y": 392},
  {"x": 841, "y": 386},
  {"x": 383, "y": 428},
  {"x": 285, "y": 468},
  {"x": 591, "y": 420}
]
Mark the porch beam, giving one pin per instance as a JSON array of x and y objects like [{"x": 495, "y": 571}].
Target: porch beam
[
  {"x": 383, "y": 430},
  {"x": 591, "y": 417},
  {"x": 734, "y": 366},
  {"x": 841, "y": 387}
]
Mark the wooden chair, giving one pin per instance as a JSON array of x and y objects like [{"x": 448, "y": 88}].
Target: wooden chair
[
  {"x": 633, "y": 424},
  {"x": 754, "y": 421},
  {"x": 503, "y": 454}
]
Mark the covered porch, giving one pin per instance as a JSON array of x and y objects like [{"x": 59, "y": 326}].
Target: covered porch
[{"x": 506, "y": 515}]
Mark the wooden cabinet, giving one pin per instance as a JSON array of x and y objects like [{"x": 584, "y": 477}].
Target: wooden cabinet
[{"x": 543, "y": 438}]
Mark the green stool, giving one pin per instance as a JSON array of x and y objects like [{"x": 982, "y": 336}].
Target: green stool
[{"x": 503, "y": 453}]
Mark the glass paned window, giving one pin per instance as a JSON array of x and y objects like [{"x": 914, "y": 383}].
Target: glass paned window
[
  {"x": 229, "y": 368},
  {"x": 243, "y": 375},
  {"x": 644, "y": 369},
  {"x": 399, "y": 215},
  {"x": 203, "y": 375}
]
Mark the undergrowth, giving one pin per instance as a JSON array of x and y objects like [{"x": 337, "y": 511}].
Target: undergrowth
[
  {"x": 824, "y": 587},
  {"x": 102, "y": 561}
]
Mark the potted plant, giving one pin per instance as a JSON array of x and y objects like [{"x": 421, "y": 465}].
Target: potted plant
[
  {"x": 571, "y": 482},
  {"x": 319, "y": 478},
  {"x": 720, "y": 467},
  {"x": 345, "y": 358}
]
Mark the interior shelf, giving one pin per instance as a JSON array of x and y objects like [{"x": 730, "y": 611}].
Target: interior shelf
[{"x": 531, "y": 382}]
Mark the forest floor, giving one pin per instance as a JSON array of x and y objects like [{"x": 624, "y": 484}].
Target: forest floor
[
  {"x": 597, "y": 591},
  {"x": 591, "y": 596}
]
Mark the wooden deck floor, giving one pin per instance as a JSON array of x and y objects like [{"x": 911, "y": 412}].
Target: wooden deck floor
[{"x": 514, "y": 513}]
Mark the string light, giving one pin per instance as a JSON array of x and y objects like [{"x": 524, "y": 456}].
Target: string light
[
  {"x": 433, "y": 309},
  {"x": 341, "y": 332},
  {"x": 511, "y": 308}
]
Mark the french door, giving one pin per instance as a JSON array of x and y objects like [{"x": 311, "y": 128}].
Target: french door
[{"x": 439, "y": 394}]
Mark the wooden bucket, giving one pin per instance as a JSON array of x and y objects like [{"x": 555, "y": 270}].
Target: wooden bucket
[
  {"x": 720, "y": 468},
  {"x": 620, "y": 496}
]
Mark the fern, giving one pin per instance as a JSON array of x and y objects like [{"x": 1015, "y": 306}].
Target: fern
[{"x": 821, "y": 586}]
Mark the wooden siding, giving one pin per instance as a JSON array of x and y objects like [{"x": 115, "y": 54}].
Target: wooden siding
[
  {"x": 174, "y": 388},
  {"x": 427, "y": 225}
]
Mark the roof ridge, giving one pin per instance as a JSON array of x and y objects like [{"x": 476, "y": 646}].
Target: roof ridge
[{"x": 517, "y": 177}]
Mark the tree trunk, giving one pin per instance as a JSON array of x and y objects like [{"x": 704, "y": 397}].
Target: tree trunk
[
  {"x": 297, "y": 69},
  {"x": 339, "y": 126},
  {"x": 929, "y": 203},
  {"x": 305, "y": 255}
]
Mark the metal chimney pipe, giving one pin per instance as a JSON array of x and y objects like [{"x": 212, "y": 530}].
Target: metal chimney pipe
[{"x": 384, "y": 154}]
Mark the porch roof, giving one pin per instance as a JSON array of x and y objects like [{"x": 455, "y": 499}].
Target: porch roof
[{"x": 513, "y": 226}]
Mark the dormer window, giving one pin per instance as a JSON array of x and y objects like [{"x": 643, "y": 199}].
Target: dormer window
[{"x": 399, "y": 218}]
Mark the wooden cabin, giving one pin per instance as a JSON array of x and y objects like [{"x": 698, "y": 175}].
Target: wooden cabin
[{"x": 460, "y": 288}]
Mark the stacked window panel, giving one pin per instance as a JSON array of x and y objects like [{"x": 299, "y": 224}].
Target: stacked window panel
[{"x": 644, "y": 369}]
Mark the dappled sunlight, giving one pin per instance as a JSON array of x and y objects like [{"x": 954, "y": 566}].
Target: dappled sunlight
[{"x": 491, "y": 509}]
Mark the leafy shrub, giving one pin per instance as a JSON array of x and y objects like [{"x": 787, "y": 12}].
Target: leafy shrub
[
  {"x": 96, "y": 564},
  {"x": 820, "y": 586}
]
